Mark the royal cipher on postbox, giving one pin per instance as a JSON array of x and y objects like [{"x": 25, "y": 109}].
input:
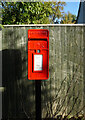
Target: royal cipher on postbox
[{"x": 38, "y": 54}]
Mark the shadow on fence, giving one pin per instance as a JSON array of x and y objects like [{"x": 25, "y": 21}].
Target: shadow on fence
[{"x": 11, "y": 73}]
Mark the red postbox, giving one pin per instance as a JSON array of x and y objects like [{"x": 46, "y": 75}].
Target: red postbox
[{"x": 38, "y": 54}]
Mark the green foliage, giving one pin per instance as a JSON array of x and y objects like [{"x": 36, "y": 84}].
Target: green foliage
[
  {"x": 1, "y": 26},
  {"x": 68, "y": 19},
  {"x": 31, "y": 12}
]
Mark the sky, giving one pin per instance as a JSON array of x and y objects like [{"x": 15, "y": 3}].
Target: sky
[{"x": 72, "y": 7}]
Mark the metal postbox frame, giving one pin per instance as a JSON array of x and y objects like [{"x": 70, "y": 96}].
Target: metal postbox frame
[{"x": 38, "y": 39}]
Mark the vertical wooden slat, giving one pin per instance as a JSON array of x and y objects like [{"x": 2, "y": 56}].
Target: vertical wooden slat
[
  {"x": 1, "y": 73},
  {"x": 84, "y": 68}
]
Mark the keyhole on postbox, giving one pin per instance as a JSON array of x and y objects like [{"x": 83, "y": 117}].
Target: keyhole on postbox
[{"x": 38, "y": 51}]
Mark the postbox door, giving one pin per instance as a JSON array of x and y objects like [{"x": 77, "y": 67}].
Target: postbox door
[{"x": 37, "y": 60}]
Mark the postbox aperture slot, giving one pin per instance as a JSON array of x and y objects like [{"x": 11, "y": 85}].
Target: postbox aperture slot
[{"x": 37, "y": 39}]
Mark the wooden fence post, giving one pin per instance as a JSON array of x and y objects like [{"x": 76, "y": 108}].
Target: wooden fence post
[{"x": 38, "y": 99}]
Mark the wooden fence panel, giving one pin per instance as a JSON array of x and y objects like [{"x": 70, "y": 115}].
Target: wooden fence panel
[{"x": 63, "y": 92}]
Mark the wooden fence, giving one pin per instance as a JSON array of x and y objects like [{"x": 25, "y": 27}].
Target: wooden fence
[{"x": 63, "y": 93}]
